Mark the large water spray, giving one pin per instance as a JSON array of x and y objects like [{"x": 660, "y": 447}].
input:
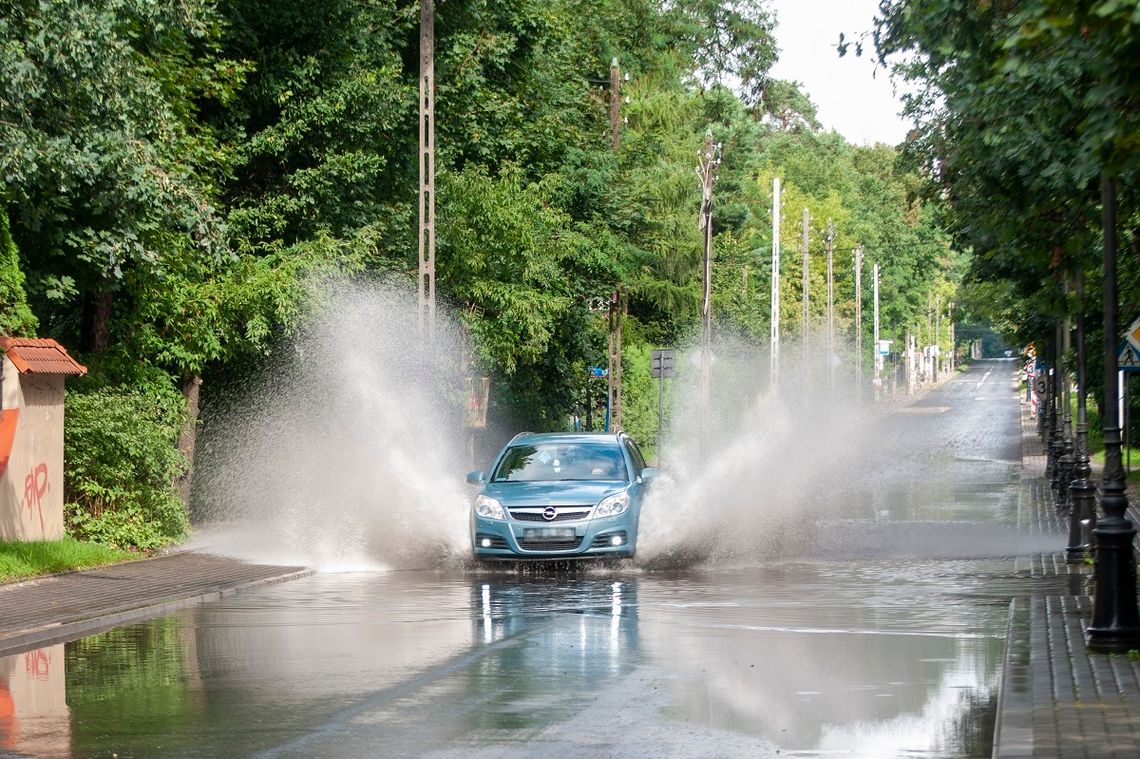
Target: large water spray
[
  {"x": 348, "y": 454},
  {"x": 343, "y": 454}
]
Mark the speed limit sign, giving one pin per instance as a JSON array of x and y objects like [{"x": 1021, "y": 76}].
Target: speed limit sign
[{"x": 1039, "y": 384}]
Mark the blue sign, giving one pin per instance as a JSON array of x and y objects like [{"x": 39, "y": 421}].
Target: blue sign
[
  {"x": 1127, "y": 358},
  {"x": 597, "y": 371}
]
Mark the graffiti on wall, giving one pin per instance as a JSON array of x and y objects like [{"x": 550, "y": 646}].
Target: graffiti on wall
[
  {"x": 35, "y": 487},
  {"x": 37, "y": 665}
]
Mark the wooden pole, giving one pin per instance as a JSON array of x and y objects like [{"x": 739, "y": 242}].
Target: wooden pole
[{"x": 427, "y": 171}]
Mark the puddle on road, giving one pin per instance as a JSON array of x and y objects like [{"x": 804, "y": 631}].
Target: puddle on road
[
  {"x": 739, "y": 632},
  {"x": 879, "y": 659}
]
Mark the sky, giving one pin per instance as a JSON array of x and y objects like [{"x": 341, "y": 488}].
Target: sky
[{"x": 849, "y": 99}]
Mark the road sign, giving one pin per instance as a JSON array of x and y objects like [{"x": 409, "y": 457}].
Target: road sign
[
  {"x": 599, "y": 371},
  {"x": 1040, "y": 384},
  {"x": 1128, "y": 357},
  {"x": 478, "y": 390},
  {"x": 662, "y": 363},
  {"x": 1132, "y": 336},
  {"x": 884, "y": 347}
]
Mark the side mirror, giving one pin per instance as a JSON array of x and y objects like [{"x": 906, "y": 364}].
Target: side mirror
[
  {"x": 649, "y": 473},
  {"x": 475, "y": 478}
]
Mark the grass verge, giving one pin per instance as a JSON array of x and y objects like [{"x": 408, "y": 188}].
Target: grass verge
[
  {"x": 22, "y": 560},
  {"x": 1133, "y": 477}
]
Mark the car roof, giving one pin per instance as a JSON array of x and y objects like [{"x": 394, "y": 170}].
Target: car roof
[{"x": 538, "y": 438}]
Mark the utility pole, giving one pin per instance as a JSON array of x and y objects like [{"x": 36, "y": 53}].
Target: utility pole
[
  {"x": 937, "y": 338},
  {"x": 707, "y": 161},
  {"x": 877, "y": 354},
  {"x": 931, "y": 371},
  {"x": 774, "y": 364},
  {"x": 617, "y": 302},
  {"x": 617, "y": 311},
  {"x": 953, "y": 344},
  {"x": 615, "y": 103},
  {"x": 830, "y": 306},
  {"x": 910, "y": 357},
  {"x": 858, "y": 322},
  {"x": 427, "y": 171},
  {"x": 804, "y": 250}
]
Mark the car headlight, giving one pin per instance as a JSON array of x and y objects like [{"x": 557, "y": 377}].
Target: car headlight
[
  {"x": 489, "y": 508},
  {"x": 612, "y": 505}
]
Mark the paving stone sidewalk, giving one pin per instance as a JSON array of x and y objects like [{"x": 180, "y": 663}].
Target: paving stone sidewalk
[
  {"x": 66, "y": 606},
  {"x": 1057, "y": 700}
]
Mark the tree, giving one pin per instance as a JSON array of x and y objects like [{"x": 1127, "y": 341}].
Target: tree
[
  {"x": 105, "y": 168},
  {"x": 15, "y": 316},
  {"x": 788, "y": 106},
  {"x": 731, "y": 40},
  {"x": 1020, "y": 109}
]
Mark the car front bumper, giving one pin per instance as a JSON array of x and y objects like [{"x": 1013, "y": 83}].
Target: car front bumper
[{"x": 514, "y": 540}]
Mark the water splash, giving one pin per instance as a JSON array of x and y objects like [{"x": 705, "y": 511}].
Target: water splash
[
  {"x": 766, "y": 470},
  {"x": 342, "y": 455},
  {"x": 811, "y": 470}
]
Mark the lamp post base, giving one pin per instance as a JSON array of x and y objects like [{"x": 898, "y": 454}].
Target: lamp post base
[{"x": 1115, "y": 624}]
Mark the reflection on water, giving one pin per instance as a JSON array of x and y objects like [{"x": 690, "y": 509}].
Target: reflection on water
[
  {"x": 877, "y": 660},
  {"x": 33, "y": 703}
]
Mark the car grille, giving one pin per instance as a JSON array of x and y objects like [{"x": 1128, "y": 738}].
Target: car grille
[
  {"x": 550, "y": 545},
  {"x": 564, "y": 514},
  {"x": 497, "y": 541},
  {"x": 603, "y": 541}
]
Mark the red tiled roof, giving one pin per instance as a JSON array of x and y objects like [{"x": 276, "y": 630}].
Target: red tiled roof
[{"x": 40, "y": 356}]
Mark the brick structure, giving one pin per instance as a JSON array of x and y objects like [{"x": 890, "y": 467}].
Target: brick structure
[{"x": 31, "y": 437}]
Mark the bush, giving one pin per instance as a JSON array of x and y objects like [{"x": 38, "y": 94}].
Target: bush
[
  {"x": 15, "y": 316},
  {"x": 120, "y": 446}
]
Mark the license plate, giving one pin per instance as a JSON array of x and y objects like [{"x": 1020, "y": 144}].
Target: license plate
[{"x": 549, "y": 533}]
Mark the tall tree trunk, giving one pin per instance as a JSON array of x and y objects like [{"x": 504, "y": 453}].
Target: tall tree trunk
[
  {"x": 97, "y": 326},
  {"x": 188, "y": 436}
]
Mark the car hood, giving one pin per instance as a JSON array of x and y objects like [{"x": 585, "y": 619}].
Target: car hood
[{"x": 568, "y": 493}]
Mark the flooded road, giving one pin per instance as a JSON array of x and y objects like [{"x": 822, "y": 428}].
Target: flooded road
[{"x": 878, "y": 632}]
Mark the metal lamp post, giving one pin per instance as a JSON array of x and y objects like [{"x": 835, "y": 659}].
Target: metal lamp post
[
  {"x": 1053, "y": 424},
  {"x": 1065, "y": 459},
  {"x": 1082, "y": 504},
  {"x": 1115, "y": 623}
]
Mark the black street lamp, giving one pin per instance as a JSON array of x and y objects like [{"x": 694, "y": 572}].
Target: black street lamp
[
  {"x": 1065, "y": 459},
  {"x": 1115, "y": 618},
  {"x": 1053, "y": 442},
  {"x": 1082, "y": 503}
]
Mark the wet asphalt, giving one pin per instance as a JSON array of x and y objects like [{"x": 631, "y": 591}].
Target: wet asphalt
[{"x": 883, "y": 635}]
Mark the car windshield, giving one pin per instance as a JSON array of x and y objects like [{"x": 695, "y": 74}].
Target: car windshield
[{"x": 561, "y": 461}]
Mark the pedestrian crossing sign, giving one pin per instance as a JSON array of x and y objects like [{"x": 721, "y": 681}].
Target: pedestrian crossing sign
[{"x": 1128, "y": 357}]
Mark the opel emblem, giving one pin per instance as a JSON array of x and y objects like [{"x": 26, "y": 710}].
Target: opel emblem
[{"x": 549, "y": 513}]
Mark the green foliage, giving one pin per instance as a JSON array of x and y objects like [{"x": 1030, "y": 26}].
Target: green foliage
[
  {"x": 104, "y": 166},
  {"x": 146, "y": 671},
  {"x": 121, "y": 462},
  {"x": 789, "y": 107},
  {"x": 19, "y": 560},
  {"x": 1020, "y": 109},
  {"x": 639, "y": 390},
  {"x": 731, "y": 38},
  {"x": 15, "y": 316},
  {"x": 176, "y": 174}
]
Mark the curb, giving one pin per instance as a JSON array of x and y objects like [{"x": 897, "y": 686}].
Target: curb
[
  {"x": 1013, "y": 726},
  {"x": 62, "y": 632}
]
